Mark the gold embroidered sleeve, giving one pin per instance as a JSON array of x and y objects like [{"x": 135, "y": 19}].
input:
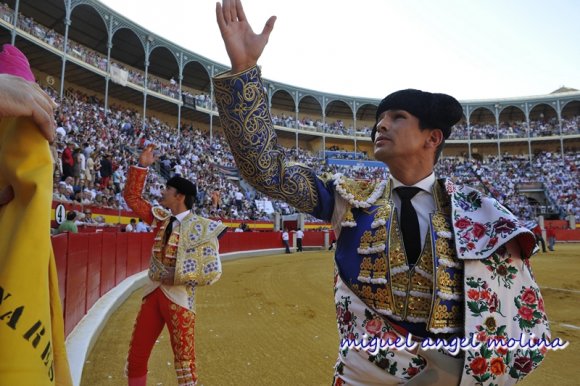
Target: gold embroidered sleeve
[
  {"x": 245, "y": 118},
  {"x": 132, "y": 194}
]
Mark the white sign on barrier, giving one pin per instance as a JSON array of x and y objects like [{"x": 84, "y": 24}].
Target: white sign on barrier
[{"x": 60, "y": 214}]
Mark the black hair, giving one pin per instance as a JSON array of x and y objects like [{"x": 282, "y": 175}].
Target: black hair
[{"x": 189, "y": 201}]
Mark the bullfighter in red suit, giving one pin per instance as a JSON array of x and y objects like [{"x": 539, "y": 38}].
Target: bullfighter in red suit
[{"x": 184, "y": 256}]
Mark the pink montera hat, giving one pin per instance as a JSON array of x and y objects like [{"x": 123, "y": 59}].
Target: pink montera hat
[{"x": 14, "y": 62}]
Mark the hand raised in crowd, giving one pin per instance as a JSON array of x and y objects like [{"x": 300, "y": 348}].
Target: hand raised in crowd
[
  {"x": 21, "y": 98},
  {"x": 147, "y": 157},
  {"x": 244, "y": 47}
]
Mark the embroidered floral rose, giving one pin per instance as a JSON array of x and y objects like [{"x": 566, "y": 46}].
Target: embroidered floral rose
[
  {"x": 490, "y": 324},
  {"x": 412, "y": 371},
  {"x": 473, "y": 294},
  {"x": 374, "y": 326},
  {"x": 462, "y": 223},
  {"x": 389, "y": 337},
  {"x": 542, "y": 347},
  {"x": 470, "y": 246},
  {"x": 478, "y": 230},
  {"x": 481, "y": 336},
  {"x": 504, "y": 225},
  {"x": 492, "y": 242},
  {"x": 478, "y": 366},
  {"x": 501, "y": 349},
  {"x": 502, "y": 270},
  {"x": 497, "y": 366},
  {"x": 347, "y": 317},
  {"x": 523, "y": 364},
  {"x": 485, "y": 295},
  {"x": 493, "y": 303},
  {"x": 529, "y": 296},
  {"x": 541, "y": 305},
  {"x": 526, "y": 313}
]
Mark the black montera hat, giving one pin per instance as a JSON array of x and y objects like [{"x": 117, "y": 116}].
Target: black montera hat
[
  {"x": 436, "y": 111},
  {"x": 182, "y": 186}
]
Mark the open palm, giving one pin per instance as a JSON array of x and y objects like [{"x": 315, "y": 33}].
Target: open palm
[{"x": 243, "y": 46}]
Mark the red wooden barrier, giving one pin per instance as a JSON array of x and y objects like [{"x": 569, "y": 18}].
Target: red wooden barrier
[
  {"x": 121, "y": 258},
  {"x": 313, "y": 239},
  {"x": 94, "y": 268},
  {"x": 247, "y": 241},
  {"x": 76, "y": 279},
  {"x": 108, "y": 262},
  {"x": 567, "y": 234},
  {"x": 60, "y": 246},
  {"x": 134, "y": 241},
  {"x": 557, "y": 224}
]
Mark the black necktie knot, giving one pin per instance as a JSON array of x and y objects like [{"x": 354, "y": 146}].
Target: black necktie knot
[
  {"x": 410, "y": 223},
  {"x": 169, "y": 229},
  {"x": 407, "y": 192}
]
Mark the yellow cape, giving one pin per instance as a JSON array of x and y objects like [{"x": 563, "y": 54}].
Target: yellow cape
[{"x": 32, "y": 349}]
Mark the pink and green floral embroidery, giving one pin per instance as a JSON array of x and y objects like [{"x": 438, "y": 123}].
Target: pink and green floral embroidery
[
  {"x": 480, "y": 298},
  {"x": 416, "y": 365},
  {"x": 384, "y": 358},
  {"x": 524, "y": 362},
  {"x": 485, "y": 367},
  {"x": 346, "y": 319},
  {"x": 471, "y": 233},
  {"x": 501, "y": 268},
  {"x": 469, "y": 202},
  {"x": 530, "y": 305},
  {"x": 490, "y": 330}
]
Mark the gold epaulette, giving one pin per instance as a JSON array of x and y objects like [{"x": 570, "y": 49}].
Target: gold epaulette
[
  {"x": 359, "y": 193},
  {"x": 160, "y": 213}
]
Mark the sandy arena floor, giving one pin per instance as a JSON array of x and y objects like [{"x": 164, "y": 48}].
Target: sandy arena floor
[{"x": 270, "y": 321}]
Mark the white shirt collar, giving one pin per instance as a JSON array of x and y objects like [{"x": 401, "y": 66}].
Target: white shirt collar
[
  {"x": 425, "y": 184},
  {"x": 182, "y": 215}
]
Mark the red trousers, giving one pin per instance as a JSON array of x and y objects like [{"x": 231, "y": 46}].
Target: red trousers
[{"x": 156, "y": 311}]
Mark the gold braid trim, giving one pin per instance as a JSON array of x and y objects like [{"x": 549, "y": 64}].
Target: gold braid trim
[
  {"x": 132, "y": 194},
  {"x": 245, "y": 118}
]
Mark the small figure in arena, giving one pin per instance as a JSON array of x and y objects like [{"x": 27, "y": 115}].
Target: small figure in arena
[
  {"x": 299, "y": 237},
  {"x": 184, "y": 256}
]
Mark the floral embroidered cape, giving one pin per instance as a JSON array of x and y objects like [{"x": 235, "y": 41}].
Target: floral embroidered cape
[{"x": 501, "y": 298}]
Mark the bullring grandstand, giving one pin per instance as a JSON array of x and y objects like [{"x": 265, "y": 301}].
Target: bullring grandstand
[{"x": 120, "y": 86}]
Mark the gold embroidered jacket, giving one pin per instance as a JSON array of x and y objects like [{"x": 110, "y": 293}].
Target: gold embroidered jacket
[{"x": 190, "y": 256}]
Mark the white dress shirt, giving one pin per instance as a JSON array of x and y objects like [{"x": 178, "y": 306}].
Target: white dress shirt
[{"x": 423, "y": 202}]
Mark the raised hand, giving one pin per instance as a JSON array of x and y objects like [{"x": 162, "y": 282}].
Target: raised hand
[
  {"x": 21, "y": 98},
  {"x": 244, "y": 47},
  {"x": 147, "y": 157}
]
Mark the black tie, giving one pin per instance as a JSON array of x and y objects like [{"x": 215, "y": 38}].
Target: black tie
[
  {"x": 168, "y": 229},
  {"x": 410, "y": 223}
]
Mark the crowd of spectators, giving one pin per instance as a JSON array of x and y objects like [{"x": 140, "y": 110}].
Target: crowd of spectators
[
  {"x": 95, "y": 149},
  {"x": 99, "y": 148},
  {"x": 517, "y": 129},
  {"x": 557, "y": 176},
  {"x": 541, "y": 127}
]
